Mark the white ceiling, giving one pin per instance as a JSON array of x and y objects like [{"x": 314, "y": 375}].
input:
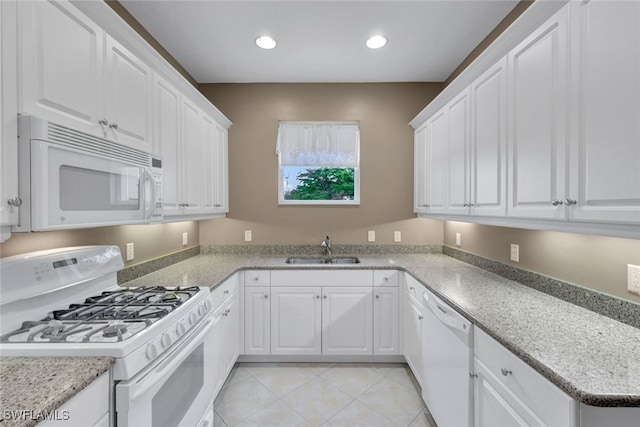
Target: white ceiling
[{"x": 319, "y": 41}]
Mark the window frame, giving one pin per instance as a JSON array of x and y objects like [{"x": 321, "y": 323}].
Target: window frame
[{"x": 356, "y": 176}]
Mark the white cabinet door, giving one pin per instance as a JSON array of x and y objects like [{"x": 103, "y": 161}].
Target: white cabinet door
[
  {"x": 257, "y": 320},
  {"x": 347, "y": 320},
  {"x": 8, "y": 121},
  {"x": 495, "y": 405},
  {"x": 605, "y": 94},
  {"x": 166, "y": 142},
  {"x": 385, "y": 321},
  {"x": 296, "y": 320},
  {"x": 62, "y": 62},
  {"x": 219, "y": 359},
  {"x": 412, "y": 335},
  {"x": 420, "y": 170},
  {"x": 220, "y": 167},
  {"x": 128, "y": 88},
  {"x": 458, "y": 196},
  {"x": 231, "y": 331},
  {"x": 208, "y": 171},
  {"x": 537, "y": 121},
  {"x": 192, "y": 154},
  {"x": 437, "y": 161},
  {"x": 488, "y": 142}
]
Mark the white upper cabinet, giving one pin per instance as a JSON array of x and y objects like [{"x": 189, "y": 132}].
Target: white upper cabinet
[
  {"x": 457, "y": 182},
  {"x": 216, "y": 183},
  {"x": 488, "y": 170},
  {"x": 192, "y": 155},
  {"x": 9, "y": 200},
  {"x": 605, "y": 112},
  {"x": 437, "y": 161},
  {"x": 537, "y": 121},
  {"x": 420, "y": 170},
  {"x": 127, "y": 97},
  {"x": 75, "y": 74},
  {"x": 62, "y": 61}
]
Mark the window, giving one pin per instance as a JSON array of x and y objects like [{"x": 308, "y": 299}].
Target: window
[{"x": 318, "y": 163}]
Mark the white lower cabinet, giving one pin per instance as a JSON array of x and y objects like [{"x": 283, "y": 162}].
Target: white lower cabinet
[
  {"x": 385, "y": 321},
  {"x": 296, "y": 320},
  {"x": 347, "y": 320},
  {"x": 508, "y": 392},
  {"x": 226, "y": 329},
  {"x": 88, "y": 408},
  {"x": 257, "y": 320},
  {"x": 412, "y": 326}
]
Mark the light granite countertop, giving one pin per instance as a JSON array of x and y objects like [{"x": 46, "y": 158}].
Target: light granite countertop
[
  {"x": 591, "y": 357},
  {"x": 33, "y": 386}
]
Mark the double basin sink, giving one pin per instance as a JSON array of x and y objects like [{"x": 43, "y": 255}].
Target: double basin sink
[{"x": 323, "y": 260}]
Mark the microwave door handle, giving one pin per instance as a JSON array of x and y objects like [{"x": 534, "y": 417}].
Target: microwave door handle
[{"x": 154, "y": 196}]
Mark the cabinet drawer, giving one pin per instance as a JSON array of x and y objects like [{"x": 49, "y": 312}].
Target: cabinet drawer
[
  {"x": 545, "y": 400},
  {"x": 386, "y": 277},
  {"x": 321, "y": 277},
  {"x": 414, "y": 288},
  {"x": 221, "y": 293},
  {"x": 257, "y": 278}
]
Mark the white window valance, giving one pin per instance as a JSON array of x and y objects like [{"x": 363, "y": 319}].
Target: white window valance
[{"x": 321, "y": 144}]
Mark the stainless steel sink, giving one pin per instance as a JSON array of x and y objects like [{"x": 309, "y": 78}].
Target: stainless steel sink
[{"x": 323, "y": 260}]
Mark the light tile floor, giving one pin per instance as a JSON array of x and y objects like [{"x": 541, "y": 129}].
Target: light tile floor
[{"x": 321, "y": 394}]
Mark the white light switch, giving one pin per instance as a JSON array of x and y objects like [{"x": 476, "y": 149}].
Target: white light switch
[
  {"x": 185, "y": 239},
  {"x": 371, "y": 236},
  {"x": 247, "y": 236},
  {"x": 397, "y": 236},
  {"x": 515, "y": 253},
  {"x": 130, "y": 251}
]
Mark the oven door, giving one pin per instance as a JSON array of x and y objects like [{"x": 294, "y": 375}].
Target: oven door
[
  {"x": 74, "y": 189},
  {"x": 177, "y": 391}
]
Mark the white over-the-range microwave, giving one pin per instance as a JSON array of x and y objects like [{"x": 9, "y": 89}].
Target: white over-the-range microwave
[{"x": 70, "y": 179}]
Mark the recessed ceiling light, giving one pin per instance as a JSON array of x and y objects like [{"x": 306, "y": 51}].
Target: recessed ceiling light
[
  {"x": 376, "y": 42},
  {"x": 266, "y": 42}
]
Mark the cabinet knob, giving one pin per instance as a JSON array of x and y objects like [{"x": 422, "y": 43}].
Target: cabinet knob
[
  {"x": 256, "y": 278},
  {"x": 420, "y": 317},
  {"x": 386, "y": 279},
  {"x": 113, "y": 126},
  {"x": 556, "y": 202},
  {"x": 15, "y": 201},
  {"x": 377, "y": 296},
  {"x": 103, "y": 122},
  {"x": 217, "y": 205},
  {"x": 324, "y": 296},
  {"x": 466, "y": 205},
  {"x": 570, "y": 202},
  {"x": 411, "y": 288},
  {"x": 317, "y": 296},
  {"x": 226, "y": 291},
  {"x": 266, "y": 296},
  {"x": 473, "y": 375},
  {"x": 506, "y": 372}
]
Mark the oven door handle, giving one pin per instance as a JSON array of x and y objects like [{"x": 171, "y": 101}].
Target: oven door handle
[{"x": 162, "y": 370}]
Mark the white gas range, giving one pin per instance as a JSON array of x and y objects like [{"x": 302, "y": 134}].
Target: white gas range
[{"x": 66, "y": 302}]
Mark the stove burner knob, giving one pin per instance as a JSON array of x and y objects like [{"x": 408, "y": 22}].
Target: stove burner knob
[
  {"x": 192, "y": 318},
  {"x": 181, "y": 329},
  {"x": 152, "y": 351},
  {"x": 165, "y": 340}
]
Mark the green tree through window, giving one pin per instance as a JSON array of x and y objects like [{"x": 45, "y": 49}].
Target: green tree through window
[{"x": 323, "y": 184}]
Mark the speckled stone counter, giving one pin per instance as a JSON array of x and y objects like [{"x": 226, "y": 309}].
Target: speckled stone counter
[
  {"x": 39, "y": 384},
  {"x": 591, "y": 357}
]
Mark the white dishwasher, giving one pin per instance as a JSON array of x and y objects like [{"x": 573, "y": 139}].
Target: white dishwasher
[{"x": 447, "y": 353}]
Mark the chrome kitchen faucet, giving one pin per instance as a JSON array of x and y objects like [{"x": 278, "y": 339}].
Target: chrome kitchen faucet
[{"x": 326, "y": 243}]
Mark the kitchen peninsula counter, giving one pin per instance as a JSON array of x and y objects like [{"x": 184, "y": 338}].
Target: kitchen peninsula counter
[
  {"x": 593, "y": 358},
  {"x": 32, "y": 387}
]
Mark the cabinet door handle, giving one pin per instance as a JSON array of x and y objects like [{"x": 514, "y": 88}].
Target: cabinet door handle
[
  {"x": 556, "y": 202},
  {"x": 226, "y": 291},
  {"x": 420, "y": 317},
  {"x": 324, "y": 296},
  {"x": 317, "y": 297},
  {"x": 411, "y": 288},
  {"x": 570, "y": 202},
  {"x": 377, "y": 296},
  {"x": 266, "y": 296},
  {"x": 506, "y": 372},
  {"x": 103, "y": 122},
  {"x": 113, "y": 126},
  {"x": 473, "y": 375},
  {"x": 256, "y": 278},
  {"x": 15, "y": 201}
]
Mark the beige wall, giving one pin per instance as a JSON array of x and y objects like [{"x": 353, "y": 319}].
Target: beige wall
[
  {"x": 595, "y": 262},
  {"x": 150, "y": 241},
  {"x": 386, "y": 159}
]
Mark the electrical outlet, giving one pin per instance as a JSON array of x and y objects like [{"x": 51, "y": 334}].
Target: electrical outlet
[
  {"x": 185, "y": 239},
  {"x": 247, "y": 236},
  {"x": 515, "y": 253},
  {"x": 458, "y": 239},
  {"x": 633, "y": 278},
  {"x": 371, "y": 236},
  {"x": 130, "y": 253},
  {"x": 397, "y": 236}
]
